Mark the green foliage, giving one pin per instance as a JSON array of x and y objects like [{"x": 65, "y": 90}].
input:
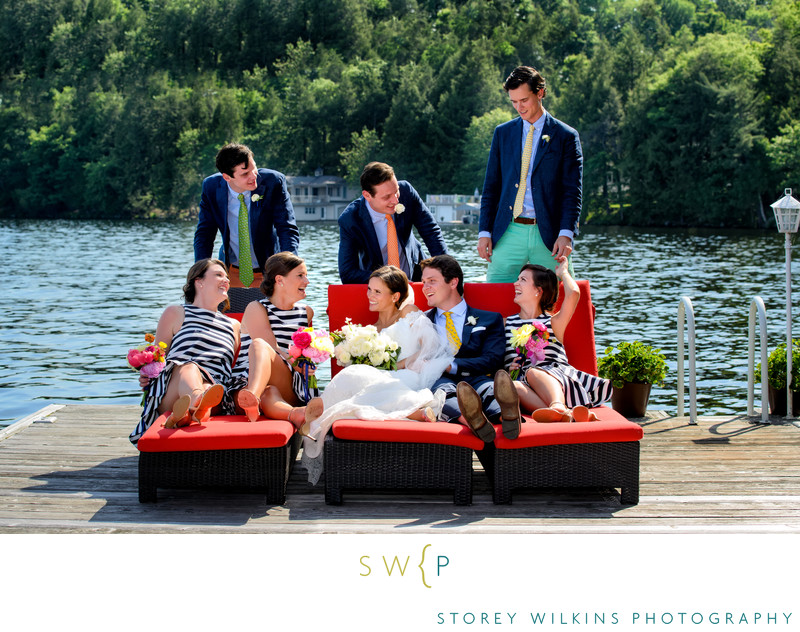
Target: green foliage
[
  {"x": 776, "y": 366},
  {"x": 688, "y": 109},
  {"x": 477, "y": 142},
  {"x": 695, "y": 129},
  {"x": 784, "y": 154},
  {"x": 633, "y": 362}
]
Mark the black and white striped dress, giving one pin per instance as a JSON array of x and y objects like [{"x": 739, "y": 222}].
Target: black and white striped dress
[
  {"x": 580, "y": 388},
  {"x": 284, "y": 322},
  {"x": 205, "y": 338}
]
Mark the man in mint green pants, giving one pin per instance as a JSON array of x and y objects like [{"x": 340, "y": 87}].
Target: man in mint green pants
[{"x": 531, "y": 200}]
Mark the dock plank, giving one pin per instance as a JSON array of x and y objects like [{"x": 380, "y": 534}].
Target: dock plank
[{"x": 75, "y": 472}]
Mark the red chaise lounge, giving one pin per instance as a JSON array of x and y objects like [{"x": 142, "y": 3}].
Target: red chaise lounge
[
  {"x": 226, "y": 452},
  {"x": 413, "y": 455}
]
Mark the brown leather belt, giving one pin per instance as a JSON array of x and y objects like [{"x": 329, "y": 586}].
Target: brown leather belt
[
  {"x": 525, "y": 220},
  {"x": 255, "y": 270}
]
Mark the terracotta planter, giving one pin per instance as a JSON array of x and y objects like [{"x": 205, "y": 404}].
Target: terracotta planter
[
  {"x": 777, "y": 401},
  {"x": 631, "y": 400}
]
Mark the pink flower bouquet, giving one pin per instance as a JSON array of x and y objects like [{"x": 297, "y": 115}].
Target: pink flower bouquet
[
  {"x": 148, "y": 359},
  {"x": 529, "y": 341},
  {"x": 310, "y": 348}
]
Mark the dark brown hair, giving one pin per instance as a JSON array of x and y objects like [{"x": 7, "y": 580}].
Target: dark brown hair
[
  {"x": 198, "y": 271},
  {"x": 525, "y": 74},
  {"x": 448, "y": 267},
  {"x": 395, "y": 279},
  {"x": 231, "y": 156},
  {"x": 281, "y": 263},
  {"x": 375, "y": 173},
  {"x": 547, "y": 281}
]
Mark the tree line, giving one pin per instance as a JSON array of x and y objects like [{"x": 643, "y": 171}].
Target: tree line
[{"x": 688, "y": 110}]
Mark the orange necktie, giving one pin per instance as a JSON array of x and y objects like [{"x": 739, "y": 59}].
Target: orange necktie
[{"x": 391, "y": 242}]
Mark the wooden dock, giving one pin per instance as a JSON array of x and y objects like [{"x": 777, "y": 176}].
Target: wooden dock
[{"x": 74, "y": 471}]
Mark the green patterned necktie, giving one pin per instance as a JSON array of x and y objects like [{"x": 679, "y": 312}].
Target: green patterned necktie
[{"x": 245, "y": 262}]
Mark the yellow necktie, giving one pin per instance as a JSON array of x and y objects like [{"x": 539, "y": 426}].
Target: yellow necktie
[
  {"x": 523, "y": 176},
  {"x": 245, "y": 261},
  {"x": 392, "y": 250},
  {"x": 452, "y": 334}
]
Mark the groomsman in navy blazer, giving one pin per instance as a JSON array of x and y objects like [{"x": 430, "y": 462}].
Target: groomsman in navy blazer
[
  {"x": 529, "y": 217},
  {"x": 271, "y": 225},
  {"x": 477, "y": 338},
  {"x": 384, "y": 215}
]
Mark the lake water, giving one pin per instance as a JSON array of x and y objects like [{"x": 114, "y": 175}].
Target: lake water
[{"x": 79, "y": 294}]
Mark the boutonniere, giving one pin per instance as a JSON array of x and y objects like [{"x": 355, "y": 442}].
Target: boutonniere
[
  {"x": 545, "y": 138},
  {"x": 256, "y": 197},
  {"x": 399, "y": 208},
  {"x": 472, "y": 321}
]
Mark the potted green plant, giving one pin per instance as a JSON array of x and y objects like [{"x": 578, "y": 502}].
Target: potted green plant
[
  {"x": 776, "y": 378},
  {"x": 633, "y": 368}
]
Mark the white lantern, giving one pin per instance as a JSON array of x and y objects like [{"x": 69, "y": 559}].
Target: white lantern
[
  {"x": 787, "y": 217},
  {"x": 787, "y": 213}
]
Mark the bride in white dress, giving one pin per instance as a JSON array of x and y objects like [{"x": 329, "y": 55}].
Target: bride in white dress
[{"x": 361, "y": 391}]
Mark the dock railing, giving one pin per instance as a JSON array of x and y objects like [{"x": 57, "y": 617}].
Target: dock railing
[
  {"x": 757, "y": 310},
  {"x": 686, "y": 312}
]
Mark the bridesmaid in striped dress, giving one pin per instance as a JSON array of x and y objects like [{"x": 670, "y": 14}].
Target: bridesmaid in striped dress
[
  {"x": 264, "y": 377},
  {"x": 552, "y": 389},
  {"x": 200, "y": 348}
]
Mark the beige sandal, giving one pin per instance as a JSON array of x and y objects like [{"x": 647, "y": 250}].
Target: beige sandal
[
  {"x": 582, "y": 413},
  {"x": 552, "y": 414},
  {"x": 210, "y": 398},
  {"x": 180, "y": 413},
  {"x": 311, "y": 411},
  {"x": 249, "y": 403}
]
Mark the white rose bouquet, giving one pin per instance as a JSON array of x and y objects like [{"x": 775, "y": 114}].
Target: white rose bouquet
[{"x": 364, "y": 344}]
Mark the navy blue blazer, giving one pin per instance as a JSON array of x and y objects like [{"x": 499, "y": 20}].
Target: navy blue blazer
[
  {"x": 272, "y": 223},
  {"x": 482, "y": 344},
  {"x": 555, "y": 182},
  {"x": 359, "y": 252}
]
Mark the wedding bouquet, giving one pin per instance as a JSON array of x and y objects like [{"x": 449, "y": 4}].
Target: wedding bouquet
[
  {"x": 364, "y": 344},
  {"x": 310, "y": 348},
  {"x": 529, "y": 342},
  {"x": 148, "y": 359}
]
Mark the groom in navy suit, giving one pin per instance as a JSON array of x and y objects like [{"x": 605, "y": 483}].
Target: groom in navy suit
[
  {"x": 270, "y": 225},
  {"x": 375, "y": 229},
  {"x": 529, "y": 217},
  {"x": 478, "y": 340}
]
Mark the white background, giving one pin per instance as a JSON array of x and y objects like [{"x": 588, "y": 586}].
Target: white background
[{"x": 314, "y": 582}]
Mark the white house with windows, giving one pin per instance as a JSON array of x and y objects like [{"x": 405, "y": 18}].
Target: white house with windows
[
  {"x": 453, "y": 208},
  {"x": 317, "y": 197}
]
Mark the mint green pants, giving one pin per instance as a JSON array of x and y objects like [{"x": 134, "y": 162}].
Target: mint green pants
[{"x": 520, "y": 244}]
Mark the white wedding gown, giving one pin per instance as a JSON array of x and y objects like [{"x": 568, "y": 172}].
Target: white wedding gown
[{"x": 360, "y": 391}]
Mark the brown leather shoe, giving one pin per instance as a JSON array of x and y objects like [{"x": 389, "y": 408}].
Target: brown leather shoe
[
  {"x": 507, "y": 398},
  {"x": 469, "y": 403}
]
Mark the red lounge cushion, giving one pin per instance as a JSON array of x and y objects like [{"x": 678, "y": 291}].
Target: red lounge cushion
[
  {"x": 219, "y": 433},
  {"x": 608, "y": 430},
  {"x": 397, "y": 431}
]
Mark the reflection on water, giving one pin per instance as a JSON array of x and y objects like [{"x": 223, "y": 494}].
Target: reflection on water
[{"x": 79, "y": 294}]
